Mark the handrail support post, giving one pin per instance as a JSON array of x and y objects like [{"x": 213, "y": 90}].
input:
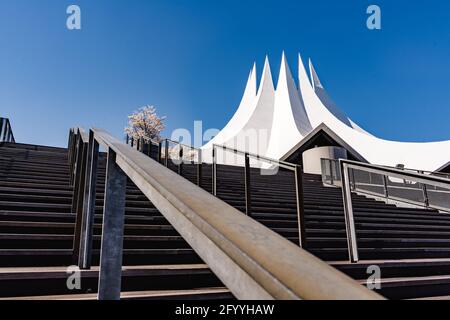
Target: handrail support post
[
  {"x": 248, "y": 188},
  {"x": 84, "y": 261},
  {"x": 348, "y": 214},
  {"x": 214, "y": 171},
  {"x": 300, "y": 206},
  {"x": 109, "y": 285}
]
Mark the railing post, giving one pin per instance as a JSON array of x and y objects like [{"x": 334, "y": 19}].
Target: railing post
[
  {"x": 248, "y": 188},
  {"x": 142, "y": 145},
  {"x": 7, "y": 129},
  {"x": 112, "y": 233},
  {"x": 180, "y": 164},
  {"x": 300, "y": 206},
  {"x": 385, "y": 183},
  {"x": 10, "y": 134},
  {"x": 149, "y": 150},
  {"x": 426, "y": 200},
  {"x": 69, "y": 146},
  {"x": 166, "y": 150},
  {"x": 160, "y": 152},
  {"x": 2, "y": 121},
  {"x": 348, "y": 214},
  {"x": 90, "y": 195},
  {"x": 331, "y": 173},
  {"x": 354, "y": 180},
  {"x": 214, "y": 171},
  {"x": 75, "y": 167},
  {"x": 199, "y": 168},
  {"x": 78, "y": 198},
  {"x": 73, "y": 156}
]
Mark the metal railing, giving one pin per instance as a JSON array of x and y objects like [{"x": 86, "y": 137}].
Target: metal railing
[
  {"x": 296, "y": 169},
  {"x": 178, "y": 154},
  {"x": 425, "y": 190},
  {"x": 151, "y": 148},
  {"x": 6, "y": 133},
  {"x": 224, "y": 238}
]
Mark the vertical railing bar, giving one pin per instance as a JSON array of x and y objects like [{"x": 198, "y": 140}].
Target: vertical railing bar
[
  {"x": 300, "y": 206},
  {"x": 111, "y": 251},
  {"x": 214, "y": 171},
  {"x": 354, "y": 180},
  {"x": 426, "y": 200},
  {"x": 166, "y": 150},
  {"x": 75, "y": 170},
  {"x": 2, "y": 120},
  {"x": 386, "y": 187},
  {"x": 160, "y": 152},
  {"x": 199, "y": 168},
  {"x": 5, "y": 136},
  {"x": 89, "y": 204},
  {"x": 180, "y": 164},
  {"x": 150, "y": 147},
  {"x": 69, "y": 147},
  {"x": 331, "y": 173},
  {"x": 348, "y": 214},
  {"x": 72, "y": 156},
  {"x": 248, "y": 191},
  {"x": 5, "y": 128},
  {"x": 6, "y": 131},
  {"x": 79, "y": 200}
]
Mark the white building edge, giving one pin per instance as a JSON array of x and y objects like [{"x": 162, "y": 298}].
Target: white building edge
[{"x": 281, "y": 122}]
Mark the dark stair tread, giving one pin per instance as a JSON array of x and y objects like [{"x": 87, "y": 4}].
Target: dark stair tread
[{"x": 206, "y": 293}]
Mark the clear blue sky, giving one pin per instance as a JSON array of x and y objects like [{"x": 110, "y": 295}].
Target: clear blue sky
[{"x": 191, "y": 60}]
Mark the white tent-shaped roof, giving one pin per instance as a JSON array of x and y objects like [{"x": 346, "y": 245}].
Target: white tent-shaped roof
[{"x": 283, "y": 119}]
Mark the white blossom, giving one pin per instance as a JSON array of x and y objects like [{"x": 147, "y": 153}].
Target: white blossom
[{"x": 145, "y": 123}]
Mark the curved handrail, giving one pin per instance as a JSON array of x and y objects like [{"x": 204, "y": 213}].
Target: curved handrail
[{"x": 250, "y": 259}]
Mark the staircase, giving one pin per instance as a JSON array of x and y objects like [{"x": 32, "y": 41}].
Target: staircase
[
  {"x": 411, "y": 246},
  {"x": 37, "y": 229}
]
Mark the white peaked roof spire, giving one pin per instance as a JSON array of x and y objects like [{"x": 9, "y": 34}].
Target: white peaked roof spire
[
  {"x": 281, "y": 120},
  {"x": 314, "y": 78},
  {"x": 243, "y": 113},
  {"x": 324, "y": 97},
  {"x": 255, "y": 134},
  {"x": 288, "y": 111},
  {"x": 328, "y": 102}
]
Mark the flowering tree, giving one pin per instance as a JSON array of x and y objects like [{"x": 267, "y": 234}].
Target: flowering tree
[{"x": 145, "y": 123}]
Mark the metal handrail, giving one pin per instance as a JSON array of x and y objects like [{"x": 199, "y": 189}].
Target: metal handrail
[
  {"x": 163, "y": 144},
  {"x": 6, "y": 133},
  {"x": 134, "y": 141},
  {"x": 434, "y": 173},
  {"x": 296, "y": 169},
  {"x": 348, "y": 184},
  {"x": 250, "y": 259},
  {"x": 280, "y": 163},
  {"x": 181, "y": 161}
]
